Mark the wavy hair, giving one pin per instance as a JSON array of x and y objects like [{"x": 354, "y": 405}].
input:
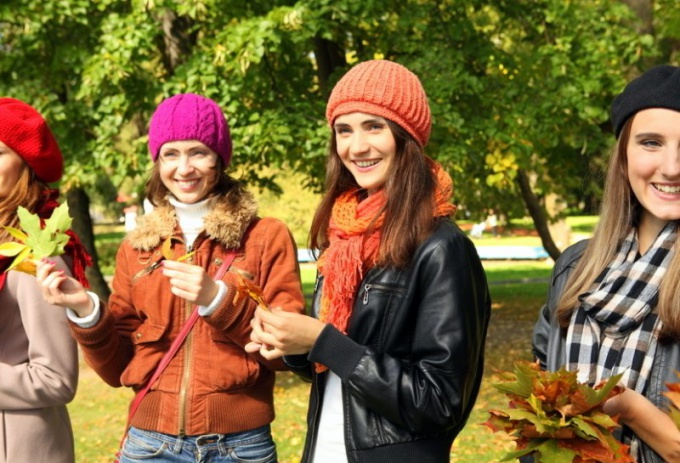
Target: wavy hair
[
  {"x": 409, "y": 211},
  {"x": 620, "y": 210},
  {"x": 27, "y": 193}
]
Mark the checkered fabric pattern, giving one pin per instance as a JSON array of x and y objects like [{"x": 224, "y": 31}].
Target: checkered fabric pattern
[{"x": 615, "y": 328}]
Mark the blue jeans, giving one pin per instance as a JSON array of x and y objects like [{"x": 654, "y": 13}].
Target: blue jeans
[{"x": 255, "y": 446}]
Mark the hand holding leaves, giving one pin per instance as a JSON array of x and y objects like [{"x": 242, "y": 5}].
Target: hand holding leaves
[
  {"x": 557, "y": 419},
  {"x": 673, "y": 396},
  {"x": 35, "y": 242}
]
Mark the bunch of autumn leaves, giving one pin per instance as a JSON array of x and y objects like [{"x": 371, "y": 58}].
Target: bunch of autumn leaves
[
  {"x": 556, "y": 419},
  {"x": 37, "y": 239}
]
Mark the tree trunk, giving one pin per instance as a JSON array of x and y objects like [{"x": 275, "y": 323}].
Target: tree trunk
[
  {"x": 644, "y": 9},
  {"x": 329, "y": 56},
  {"x": 537, "y": 214},
  {"x": 177, "y": 41},
  {"x": 79, "y": 208}
]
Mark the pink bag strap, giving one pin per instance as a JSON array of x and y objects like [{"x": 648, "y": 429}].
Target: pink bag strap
[{"x": 176, "y": 344}]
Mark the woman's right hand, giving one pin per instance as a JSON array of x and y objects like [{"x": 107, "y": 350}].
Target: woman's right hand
[{"x": 62, "y": 290}]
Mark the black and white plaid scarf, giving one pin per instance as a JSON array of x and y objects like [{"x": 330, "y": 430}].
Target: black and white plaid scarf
[{"x": 614, "y": 329}]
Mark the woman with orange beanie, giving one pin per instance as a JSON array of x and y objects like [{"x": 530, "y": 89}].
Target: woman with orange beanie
[
  {"x": 38, "y": 356},
  {"x": 395, "y": 348}
]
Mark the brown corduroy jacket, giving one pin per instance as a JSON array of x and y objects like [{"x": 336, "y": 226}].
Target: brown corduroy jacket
[{"x": 211, "y": 385}]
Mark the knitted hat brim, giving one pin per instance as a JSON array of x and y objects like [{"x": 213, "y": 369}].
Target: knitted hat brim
[{"x": 368, "y": 107}]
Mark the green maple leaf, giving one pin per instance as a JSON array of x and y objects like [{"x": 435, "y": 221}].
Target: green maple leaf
[
  {"x": 30, "y": 223},
  {"x": 551, "y": 452},
  {"x": 50, "y": 240}
]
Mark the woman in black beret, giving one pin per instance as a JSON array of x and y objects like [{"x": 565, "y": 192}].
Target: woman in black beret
[{"x": 614, "y": 304}]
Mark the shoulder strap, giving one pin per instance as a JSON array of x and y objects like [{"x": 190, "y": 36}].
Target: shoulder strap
[{"x": 176, "y": 344}]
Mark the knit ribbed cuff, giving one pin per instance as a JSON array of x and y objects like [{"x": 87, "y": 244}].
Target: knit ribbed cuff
[{"x": 337, "y": 351}]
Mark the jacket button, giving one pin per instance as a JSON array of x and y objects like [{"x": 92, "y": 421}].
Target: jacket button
[{"x": 139, "y": 335}]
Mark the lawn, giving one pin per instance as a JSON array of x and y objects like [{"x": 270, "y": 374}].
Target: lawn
[{"x": 98, "y": 412}]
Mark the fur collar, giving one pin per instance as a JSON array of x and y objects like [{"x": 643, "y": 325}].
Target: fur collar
[{"x": 226, "y": 223}]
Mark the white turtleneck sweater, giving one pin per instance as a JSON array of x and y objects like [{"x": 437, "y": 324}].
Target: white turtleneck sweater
[{"x": 190, "y": 218}]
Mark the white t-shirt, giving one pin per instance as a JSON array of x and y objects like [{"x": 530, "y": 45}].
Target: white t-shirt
[{"x": 330, "y": 439}]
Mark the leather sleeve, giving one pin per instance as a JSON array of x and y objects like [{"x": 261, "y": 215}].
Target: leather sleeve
[{"x": 434, "y": 387}]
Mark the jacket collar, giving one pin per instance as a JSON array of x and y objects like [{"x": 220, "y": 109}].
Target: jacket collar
[{"x": 226, "y": 223}]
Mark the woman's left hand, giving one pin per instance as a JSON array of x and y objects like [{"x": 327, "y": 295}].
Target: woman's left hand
[
  {"x": 190, "y": 282},
  {"x": 277, "y": 333},
  {"x": 654, "y": 426}
]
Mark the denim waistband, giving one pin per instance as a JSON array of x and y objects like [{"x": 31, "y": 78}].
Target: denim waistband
[{"x": 207, "y": 440}]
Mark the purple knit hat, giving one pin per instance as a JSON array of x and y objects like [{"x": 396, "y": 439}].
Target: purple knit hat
[{"x": 188, "y": 116}]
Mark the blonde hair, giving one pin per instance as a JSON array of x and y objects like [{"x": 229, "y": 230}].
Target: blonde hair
[
  {"x": 27, "y": 193},
  {"x": 620, "y": 210}
]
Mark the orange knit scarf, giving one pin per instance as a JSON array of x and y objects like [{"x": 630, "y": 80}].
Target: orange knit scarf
[{"x": 353, "y": 250}]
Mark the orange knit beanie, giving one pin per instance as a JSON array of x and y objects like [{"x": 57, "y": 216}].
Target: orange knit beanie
[{"x": 386, "y": 89}]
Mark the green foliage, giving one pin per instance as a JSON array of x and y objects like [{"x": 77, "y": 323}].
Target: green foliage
[{"x": 512, "y": 85}]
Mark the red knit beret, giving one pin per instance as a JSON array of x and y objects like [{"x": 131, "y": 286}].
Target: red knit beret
[
  {"x": 26, "y": 133},
  {"x": 386, "y": 89}
]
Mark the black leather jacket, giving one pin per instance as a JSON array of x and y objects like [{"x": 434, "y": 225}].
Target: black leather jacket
[
  {"x": 549, "y": 346},
  {"x": 412, "y": 360}
]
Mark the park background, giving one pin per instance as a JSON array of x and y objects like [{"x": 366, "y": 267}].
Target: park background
[{"x": 519, "y": 91}]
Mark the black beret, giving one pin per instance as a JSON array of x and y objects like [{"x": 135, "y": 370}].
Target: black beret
[{"x": 659, "y": 87}]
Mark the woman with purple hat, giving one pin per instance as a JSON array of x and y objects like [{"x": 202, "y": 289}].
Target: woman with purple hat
[
  {"x": 38, "y": 356},
  {"x": 213, "y": 402},
  {"x": 614, "y": 304}
]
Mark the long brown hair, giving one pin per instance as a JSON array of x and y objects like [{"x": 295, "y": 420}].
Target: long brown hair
[
  {"x": 409, "y": 210},
  {"x": 27, "y": 193},
  {"x": 620, "y": 210}
]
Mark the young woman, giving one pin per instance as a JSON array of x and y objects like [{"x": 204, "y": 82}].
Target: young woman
[
  {"x": 613, "y": 305},
  {"x": 38, "y": 357},
  {"x": 395, "y": 347},
  {"x": 214, "y": 401}
]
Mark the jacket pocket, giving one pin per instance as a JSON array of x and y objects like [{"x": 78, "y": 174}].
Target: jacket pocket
[
  {"x": 230, "y": 366},
  {"x": 148, "y": 352}
]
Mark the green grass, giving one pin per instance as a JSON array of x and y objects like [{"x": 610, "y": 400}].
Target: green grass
[
  {"x": 582, "y": 223},
  {"x": 98, "y": 413}
]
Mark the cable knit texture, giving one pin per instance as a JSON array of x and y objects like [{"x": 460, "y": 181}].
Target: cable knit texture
[
  {"x": 188, "y": 116},
  {"x": 386, "y": 89},
  {"x": 25, "y": 131}
]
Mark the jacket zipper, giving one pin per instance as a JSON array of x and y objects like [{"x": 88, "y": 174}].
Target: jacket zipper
[
  {"x": 368, "y": 287},
  {"x": 315, "y": 418},
  {"x": 184, "y": 385}
]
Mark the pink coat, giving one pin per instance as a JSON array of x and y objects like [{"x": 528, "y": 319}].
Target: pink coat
[{"x": 38, "y": 375}]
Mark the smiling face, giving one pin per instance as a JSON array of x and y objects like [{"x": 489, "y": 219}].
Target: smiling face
[
  {"x": 367, "y": 147},
  {"x": 10, "y": 169},
  {"x": 654, "y": 165},
  {"x": 187, "y": 169}
]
